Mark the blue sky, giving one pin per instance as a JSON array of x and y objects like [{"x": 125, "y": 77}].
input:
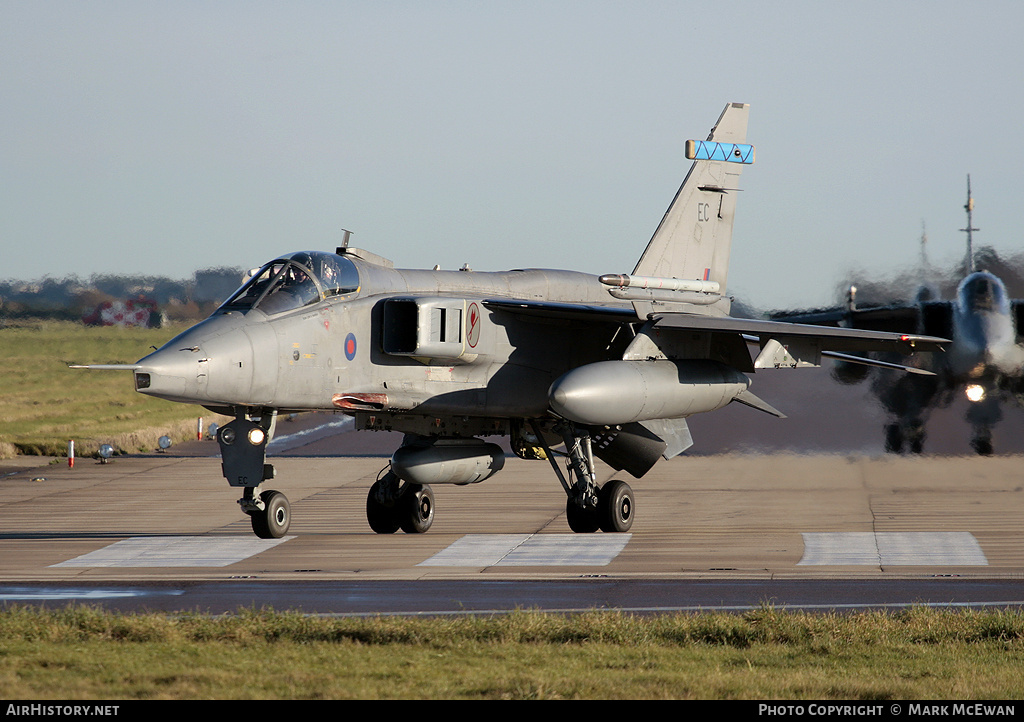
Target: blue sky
[{"x": 164, "y": 137}]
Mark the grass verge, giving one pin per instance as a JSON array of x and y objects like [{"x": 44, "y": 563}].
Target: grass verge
[
  {"x": 920, "y": 654},
  {"x": 44, "y": 404}
]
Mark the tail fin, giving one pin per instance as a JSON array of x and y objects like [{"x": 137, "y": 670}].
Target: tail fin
[
  {"x": 693, "y": 239},
  {"x": 969, "y": 207}
]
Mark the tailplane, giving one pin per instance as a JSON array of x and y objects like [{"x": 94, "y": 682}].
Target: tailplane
[{"x": 693, "y": 239}]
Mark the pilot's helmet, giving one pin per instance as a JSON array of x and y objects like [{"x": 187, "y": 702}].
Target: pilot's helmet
[{"x": 304, "y": 259}]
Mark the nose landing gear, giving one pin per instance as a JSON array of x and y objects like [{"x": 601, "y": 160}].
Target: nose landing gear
[
  {"x": 273, "y": 520},
  {"x": 243, "y": 453}
]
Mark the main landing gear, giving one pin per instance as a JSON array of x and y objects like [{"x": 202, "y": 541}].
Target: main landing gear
[
  {"x": 909, "y": 436},
  {"x": 392, "y": 505},
  {"x": 588, "y": 507},
  {"x": 982, "y": 416},
  {"x": 405, "y": 502}
]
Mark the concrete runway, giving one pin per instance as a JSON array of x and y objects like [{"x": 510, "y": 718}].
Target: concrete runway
[
  {"x": 715, "y": 531},
  {"x": 803, "y": 512}
]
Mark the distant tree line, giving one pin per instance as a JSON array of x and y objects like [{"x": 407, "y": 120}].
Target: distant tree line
[{"x": 74, "y": 299}]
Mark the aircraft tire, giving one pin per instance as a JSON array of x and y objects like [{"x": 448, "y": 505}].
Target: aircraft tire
[
  {"x": 416, "y": 509},
  {"x": 581, "y": 521},
  {"x": 893, "y": 439},
  {"x": 982, "y": 445},
  {"x": 915, "y": 438},
  {"x": 382, "y": 519},
  {"x": 615, "y": 507},
  {"x": 276, "y": 517}
]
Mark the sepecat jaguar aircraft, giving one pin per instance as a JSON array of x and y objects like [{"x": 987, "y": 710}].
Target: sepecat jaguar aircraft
[{"x": 603, "y": 367}]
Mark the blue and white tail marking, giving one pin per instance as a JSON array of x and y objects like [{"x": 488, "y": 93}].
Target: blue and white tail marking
[{"x": 726, "y": 152}]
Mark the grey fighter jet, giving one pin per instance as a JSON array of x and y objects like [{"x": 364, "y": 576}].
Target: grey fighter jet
[
  {"x": 569, "y": 366},
  {"x": 984, "y": 362}
]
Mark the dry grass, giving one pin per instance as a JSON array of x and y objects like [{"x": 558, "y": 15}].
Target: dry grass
[
  {"x": 44, "y": 404},
  {"x": 921, "y": 654}
]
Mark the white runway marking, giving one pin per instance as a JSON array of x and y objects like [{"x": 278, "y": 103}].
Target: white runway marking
[
  {"x": 893, "y": 549},
  {"x": 530, "y": 550},
  {"x": 56, "y": 593},
  {"x": 174, "y": 551}
]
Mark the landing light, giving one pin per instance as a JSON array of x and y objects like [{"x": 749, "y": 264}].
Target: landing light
[
  {"x": 106, "y": 451},
  {"x": 975, "y": 392},
  {"x": 256, "y": 436},
  {"x": 164, "y": 442}
]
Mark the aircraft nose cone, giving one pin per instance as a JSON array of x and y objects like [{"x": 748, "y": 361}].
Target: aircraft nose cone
[
  {"x": 209, "y": 363},
  {"x": 169, "y": 373}
]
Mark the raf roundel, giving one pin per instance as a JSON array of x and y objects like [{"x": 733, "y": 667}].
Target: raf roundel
[{"x": 350, "y": 347}]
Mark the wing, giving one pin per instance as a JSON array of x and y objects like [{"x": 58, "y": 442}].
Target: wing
[
  {"x": 830, "y": 338},
  {"x": 794, "y": 345},
  {"x": 564, "y": 311},
  {"x": 782, "y": 344},
  {"x": 931, "y": 318}
]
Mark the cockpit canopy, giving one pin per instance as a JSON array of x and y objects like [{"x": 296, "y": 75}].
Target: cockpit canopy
[
  {"x": 296, "y": 280},
  {"x": 983, "y": 291}
]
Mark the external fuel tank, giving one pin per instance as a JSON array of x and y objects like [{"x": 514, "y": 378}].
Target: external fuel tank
[{"x": 621, "y": 392}]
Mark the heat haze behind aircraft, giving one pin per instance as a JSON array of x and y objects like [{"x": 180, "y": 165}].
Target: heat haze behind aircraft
[
  {"x": 984, "y": 361},
  {"x": 606, "y": 367}
]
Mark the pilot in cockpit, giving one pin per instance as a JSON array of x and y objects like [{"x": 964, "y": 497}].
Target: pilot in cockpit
[{"x": 293, "y": 289}]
